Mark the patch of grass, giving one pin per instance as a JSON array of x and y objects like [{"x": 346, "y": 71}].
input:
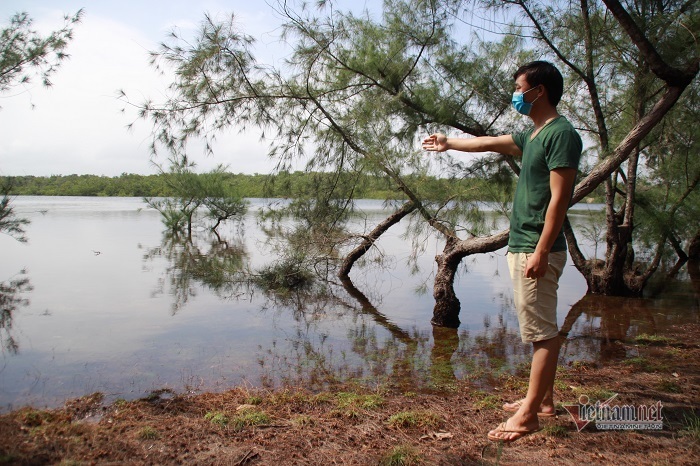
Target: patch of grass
[
  {"x": 410, "y": 394},
  {"x": 248, "y": 418},
  {"x": 70, "y": 463},
  {"x": 643, "y": 364},
  {"x": 582, "y": 366},
  {"x": 253, "y": 400},
  {"x": 303, "y": 420},
  {"x": 321, "y": 398},
  {"x": 289, "y": 397},
  {"x": 442, "y": 370},
  {"x": 691, "y": 426},
  {"x": 345, "y": 400},
  {"x": 516, "y": 384},
  {"x": 487, "y": 400},
  {"x": 34, "y": 418},
  {"x": 148, "y": 433},
  {"x": 408, "y": 419},
  {"x": 668, "y": 386},
  {"x": 560, "y": 385},
  {"x": 498, "y": 364},
  {"x": 557, "y": 431},
  {"x": 120, "y": 403},
  {"x": 638, "y": 362},
  {"x": 402, "y": 455},
  {"x": 217, "y": 417},
  {"x": 350, "y": 405},
  {"x": 449, "y": 387},
  {"x": 652, "y": 340},
  {"x": 244, "y": 418}
]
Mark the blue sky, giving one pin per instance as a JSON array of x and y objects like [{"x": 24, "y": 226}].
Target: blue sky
[{"x": 76, "y": 126}]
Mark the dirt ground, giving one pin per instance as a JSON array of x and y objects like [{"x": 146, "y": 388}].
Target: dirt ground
[{"x": 349, "y": 425}]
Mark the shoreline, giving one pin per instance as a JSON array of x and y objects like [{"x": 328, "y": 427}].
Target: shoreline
[{"x": 382, "y": 425}]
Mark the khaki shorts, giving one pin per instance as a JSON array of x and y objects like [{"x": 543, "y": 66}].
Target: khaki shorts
[{"x": 536, "y": 298}]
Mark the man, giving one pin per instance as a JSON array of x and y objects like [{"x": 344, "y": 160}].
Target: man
[{"x": 550, "y": 154}]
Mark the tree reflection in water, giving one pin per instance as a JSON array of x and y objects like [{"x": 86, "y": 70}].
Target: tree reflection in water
[
  {"x": 598, "y": 327},
  {"x": 202, "y": 260},
  {"x": 376, "y": 351},
  {"x": 382, "y": 352},
  {"x": 11, "y": 300}
]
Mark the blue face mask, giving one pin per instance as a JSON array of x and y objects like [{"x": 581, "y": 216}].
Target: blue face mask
[{"x": 519, "y": 103}]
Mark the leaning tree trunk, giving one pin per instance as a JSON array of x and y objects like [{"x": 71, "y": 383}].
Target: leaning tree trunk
[
  {"x": 369, "y": 240},
  {"x": 447, "y": 305}
]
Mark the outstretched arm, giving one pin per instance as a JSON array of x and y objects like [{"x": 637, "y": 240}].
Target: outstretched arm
[{"x": 502, "y": 144}]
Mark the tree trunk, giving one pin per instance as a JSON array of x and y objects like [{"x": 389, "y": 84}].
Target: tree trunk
[
  {"x": 370, "y": 239},
  {"x": 694, "y": 248},
  {"x": 447, "y": 305}
]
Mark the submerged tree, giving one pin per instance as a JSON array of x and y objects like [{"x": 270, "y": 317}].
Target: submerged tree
[
  {"x": 359, "y": 93},
  {"x": 213, "y": 192}
]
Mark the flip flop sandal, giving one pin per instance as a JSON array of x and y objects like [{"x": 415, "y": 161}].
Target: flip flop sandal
[{"x": 502, "y": 429}]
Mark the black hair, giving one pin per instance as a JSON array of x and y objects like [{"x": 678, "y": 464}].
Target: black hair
[{"x": 546, "y": 74}]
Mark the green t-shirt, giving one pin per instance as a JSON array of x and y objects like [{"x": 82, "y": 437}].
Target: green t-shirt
[{"x": 557, "y": 145}]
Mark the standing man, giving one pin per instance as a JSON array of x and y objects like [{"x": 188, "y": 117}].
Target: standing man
[{"x": 550, "y": 154}]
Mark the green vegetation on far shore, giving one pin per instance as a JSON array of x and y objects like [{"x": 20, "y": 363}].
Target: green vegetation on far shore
[
  {"x": 279, "y": 185},
  {"x": 251, "y": 186}
]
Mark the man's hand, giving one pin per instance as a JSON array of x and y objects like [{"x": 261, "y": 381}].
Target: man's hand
[
  {"x": 537, "y": 264},
  {"x": 435, "y": 142}
]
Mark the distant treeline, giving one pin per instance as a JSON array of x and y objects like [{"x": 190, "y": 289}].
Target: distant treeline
[{"x": 257, "y": 185}]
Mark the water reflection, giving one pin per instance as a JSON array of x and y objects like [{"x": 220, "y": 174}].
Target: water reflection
[
  {"x": 12, "y": 299},
  {"x": 382, "y": 353},
  {"x": 375, "y": 350},
  {"x": 203, "y": 260},
  {"x": 599, "y": 326}
]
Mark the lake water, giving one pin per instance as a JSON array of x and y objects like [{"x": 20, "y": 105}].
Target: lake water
[{"x": 100, "y": 300}]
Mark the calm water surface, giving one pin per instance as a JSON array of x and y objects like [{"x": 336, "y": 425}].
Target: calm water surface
[{"x": 101, "y": 300}]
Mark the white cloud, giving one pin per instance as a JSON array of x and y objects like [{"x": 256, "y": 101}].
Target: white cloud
[{"x": 77, "y": 125}]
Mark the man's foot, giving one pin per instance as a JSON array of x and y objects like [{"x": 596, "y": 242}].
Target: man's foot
[
  {"x": 545, "y": 411},
  {"x": 507, "y": 433}
]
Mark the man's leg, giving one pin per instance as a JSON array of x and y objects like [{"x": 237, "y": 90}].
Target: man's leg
[
  {"x": 546, "y": 406},
  {"x": 535, "y": 302},
  {"x": 542, "y": 373}
]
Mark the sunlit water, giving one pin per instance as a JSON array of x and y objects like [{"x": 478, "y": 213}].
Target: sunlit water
[{"x": 103, "y": 301}]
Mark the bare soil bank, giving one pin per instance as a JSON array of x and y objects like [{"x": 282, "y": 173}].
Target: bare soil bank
[{"x": 350, "y": 425}]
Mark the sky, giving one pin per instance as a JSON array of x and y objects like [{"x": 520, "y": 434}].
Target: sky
[{"x": 77, "y": 126}]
